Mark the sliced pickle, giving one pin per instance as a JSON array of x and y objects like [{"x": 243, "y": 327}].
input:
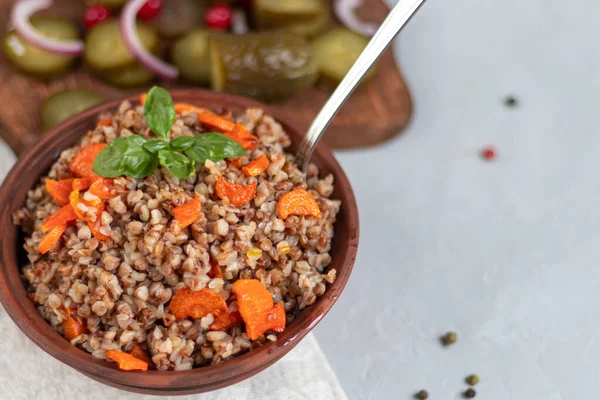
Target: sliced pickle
[
  {"x": 304, "y": 18},
  {"x": 65, "y": 104},
  {"x": 129, "y": 76},
  {"x": 34, "y": 60},
  {"x": 336, "y": 51},
  {"x": 266, "y": 66},
  {"x": 105, "y": 49},
  {"x": 190, "y": 54}
]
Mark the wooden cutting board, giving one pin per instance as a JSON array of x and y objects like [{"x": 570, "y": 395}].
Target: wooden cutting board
[{"x": 374, "y": 113}]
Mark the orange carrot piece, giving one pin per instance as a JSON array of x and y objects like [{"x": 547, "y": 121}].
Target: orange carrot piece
[
  {"x": 83, "y": 162},
  {"x": 59, "y": 190},
  {"x": 256, "y": 167},
  {"x": 298, "y": 202},
  {"x": 255, "y": 303},
  {"x": 226, "y": 321},
  {"x": 138, "y": 352},
  {"x": 143, "y": 97},
  {"x": 62, "y": 217},
  {"x": 94, "y": 228},
  {"x": 127, "y": 362},
  {"x": 103, "y": 188},
  {"x": 215, "y": 271},
  {"x": 215, "y": 121},
  {"x": 238, "y": 195},
  {"x": 180, "y": 108},
  {"x": 72, "y": 327},
  {"x": 240, "y": 134},
  {"x": 92, "y": 210},
  {"x": 82, "y": 183},
  {"x": 188, "y": 303},
  {"x": 104, "y": 122},
  {"x": 51, "y": 239},
  {"x": 188, "y": 213},
  {"x": 236, "y": 162}
]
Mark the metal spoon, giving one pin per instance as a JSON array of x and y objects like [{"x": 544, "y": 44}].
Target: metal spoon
[{"x": 394, "y": 22}]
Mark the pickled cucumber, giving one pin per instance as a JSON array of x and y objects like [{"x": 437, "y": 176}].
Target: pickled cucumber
[
  {"x": 105, "y": 49},
  {"x": 129, "y": 76},
  {"x": 266, "y": 66},
  {"x": 34, "y": 60},
  {"x": 336, "y": 51},
  {"x": 306, "y": 18},
  {"x": 190, "y": 54},
  {"x": 63, "y": 105}
]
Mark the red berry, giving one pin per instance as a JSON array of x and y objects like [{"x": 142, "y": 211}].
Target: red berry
[
  {"x": 95, "y": 14},
  {"x": 488, "y": 153},
  {"x": 218, "y": 17},
  {"x": 150, "y": 10}
]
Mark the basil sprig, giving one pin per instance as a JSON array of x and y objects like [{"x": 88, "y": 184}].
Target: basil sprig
[
  {"x": 137, "y": 157},
  {"x": 159, "y": 111}
]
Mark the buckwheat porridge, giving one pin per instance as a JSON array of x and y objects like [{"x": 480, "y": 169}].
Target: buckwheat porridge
[{"x": 172, "y": 237}]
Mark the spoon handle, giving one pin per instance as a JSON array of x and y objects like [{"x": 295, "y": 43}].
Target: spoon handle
[{"x": 394, "y": 22}]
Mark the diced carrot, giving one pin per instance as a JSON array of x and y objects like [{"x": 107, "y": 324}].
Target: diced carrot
[
  {"x": 143, "y": 97},
  {"x": 215, "y": 270},
  {"x": 188, "y": 213},
  {"x": 62, "y": 217},
  {"x": 217, "y": 122},
  {"x": 83, "y": 163},
  {"x": 127, "y": 362},
  {"x": 240, "y": 134},
  {"x": 82, "y": 183},
  {"x": 104, "y": 122},
  {"x": 72, "y": 327},
  {"x": 51, "y": 239},
  {"x": 94, "y": 228},
  {"x": 187, "y": 303},
  {"x": 85, "y": 210},
  {"x": 180, "y": 108},
  {"x": 256, "y": 167},
  {"x": 103, "y": 188},
  {"x": 226, "y": 320},
  {"x": 238, "y": 195},
  {"x": 255, "y": 303},
  {"x": 236, "y": 162},
  {"x": 59, "y": 190},
  {"x": 298, "y": 202}
]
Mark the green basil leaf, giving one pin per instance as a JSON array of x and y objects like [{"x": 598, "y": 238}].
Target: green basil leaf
[
  {"x": 214, "y": 147},
  {"x": 155, "y": 145},
  {"x": 159, "y": 111},
  {"x": 125, "y": 156},
  {"x": 109, "y": 163},
  {"x": 177, "y": 164},
  {"x": 182, "y": 143}
]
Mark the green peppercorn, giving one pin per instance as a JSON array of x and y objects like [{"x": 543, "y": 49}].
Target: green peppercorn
[
  {"x": 449, "y": 338},
  {"x": 472, "y": 379},
  {"x": 510, "y": 102},
  {"x": 422, "y": 395},
  {"x": 470, "y": 393}
]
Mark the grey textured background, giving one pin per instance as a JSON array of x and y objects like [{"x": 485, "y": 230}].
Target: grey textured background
[{"x": 505, "y": 253}]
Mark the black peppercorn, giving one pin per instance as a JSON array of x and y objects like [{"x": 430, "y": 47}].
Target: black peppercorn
[
  {"x": 449, "y": 338},
  {"x": 422, "y": 395},
  {"x": 470, "y": 393}
]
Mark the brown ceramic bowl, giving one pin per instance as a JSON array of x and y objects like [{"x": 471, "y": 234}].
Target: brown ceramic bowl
[{"x": 35, "y": 163}]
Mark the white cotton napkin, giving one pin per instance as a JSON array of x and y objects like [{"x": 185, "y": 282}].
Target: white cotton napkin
[{"x": 28, "y": 373}]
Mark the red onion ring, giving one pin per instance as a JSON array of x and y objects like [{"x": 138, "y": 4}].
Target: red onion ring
[
  {"x": 344, "y": 10},
  {"x": 133, "y": 44},
  {"x": 20, "y": 14}
]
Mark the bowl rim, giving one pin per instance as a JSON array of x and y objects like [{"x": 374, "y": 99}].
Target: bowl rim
[{"x": 19, "y": 308}]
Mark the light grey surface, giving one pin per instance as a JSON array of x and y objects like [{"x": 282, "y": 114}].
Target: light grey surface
[{"x": 505, "y": 253}]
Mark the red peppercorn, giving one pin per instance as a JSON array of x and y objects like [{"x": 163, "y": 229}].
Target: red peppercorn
[
  {"x": 218, "y": 17},
  {"x": 488, "y": 153},
  {"x": 150, "y": 10},
  {"x": 95, "y": 14}
]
